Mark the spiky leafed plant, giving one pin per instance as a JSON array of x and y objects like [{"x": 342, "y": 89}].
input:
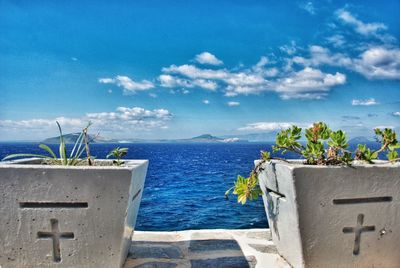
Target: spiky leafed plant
[{"x": 74, "y": 157}]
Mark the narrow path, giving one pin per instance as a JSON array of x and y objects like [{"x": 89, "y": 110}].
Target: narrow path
[{"x": 249, "y": 248}]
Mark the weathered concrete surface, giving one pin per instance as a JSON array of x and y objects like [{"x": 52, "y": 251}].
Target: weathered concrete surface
[
  {"x": 334, "y": 216},
  {"x": 57, "y": 216},
  {"x": 250, "y": 248}
]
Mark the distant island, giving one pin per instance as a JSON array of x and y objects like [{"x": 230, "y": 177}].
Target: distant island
[
  {"x": 205, "y": 138},
  {"x": 212, "y": 139},
  {"x": 361, "y": 140},
  {"x": 72, "y": 137}
]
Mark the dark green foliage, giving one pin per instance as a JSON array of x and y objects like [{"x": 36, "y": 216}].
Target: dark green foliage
[
  {"x": 319, "y": 131},
  {"x": 288, "y": 140},
  {"x": 365, "y": 154},
  {"x": 393, "y": 155},
  {"x": 118, "y": 154},
  {"x": 323, "y": 147}
]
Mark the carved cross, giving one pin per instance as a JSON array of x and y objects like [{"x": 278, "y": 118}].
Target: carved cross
[
  {"x": 358, "y": 230},
  {"x": 55, "y": 235}
]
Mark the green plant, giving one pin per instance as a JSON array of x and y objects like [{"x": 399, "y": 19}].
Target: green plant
[
  {"x": 323, "y": 147},
  {"x": 118, "y": 154},
  {"x": 365, "y": 154},
  {"x": 81, "y": 144}
]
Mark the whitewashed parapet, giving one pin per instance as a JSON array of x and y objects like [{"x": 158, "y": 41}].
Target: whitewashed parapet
[
  {"x": 334, "y": 216},
  {"x": 57, "y": 216}
]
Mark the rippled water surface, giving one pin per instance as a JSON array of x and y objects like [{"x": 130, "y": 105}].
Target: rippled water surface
[{"x": 185, "y": 184}]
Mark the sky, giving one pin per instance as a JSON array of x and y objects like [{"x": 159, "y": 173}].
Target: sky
[{"x": 178, "y": 69}]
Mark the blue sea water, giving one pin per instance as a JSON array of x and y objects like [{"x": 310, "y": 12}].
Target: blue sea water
[{"x": 185, "y": 183}]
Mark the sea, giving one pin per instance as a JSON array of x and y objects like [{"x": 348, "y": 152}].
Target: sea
[{"x": 185, "y": 183}]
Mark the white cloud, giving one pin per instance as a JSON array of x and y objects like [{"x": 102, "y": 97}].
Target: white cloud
[
  {"x": 308, "y": 83},
  {"x": 373, "y": 62},
  {"x": 260, "y": 69},
  {"x": 30, "y": 124},
  {"x": 376, "y": 62},
  {"x": 375, "y": 30},
  {"x": 122, "y": 120},
  {"x": 129, "y": 115},
  {"x": 236, "y": 83},
  {"x": 127, "y": 83},
  {"x": 336, "y": 40},
  {"x": 233, "y": 103},
  {"x": 379, "y": 63},
  {"x": 194, "y": 72},
  {"x": 289, "y": 49},
  {"x": 397, "y": 114},
  {"x": 271, "y": 72},
  {"x": 231, "y": 94},
  {"x": 366, "y": 102},
  {"x": 309, "y": 7},
  {"x": 170, "y": 81},
  {"x": 153, "y": 95},
  {"x": 206, "y": 84},
  {"x": 304, "y": 96},
  {"x": 267, "y": 126},
  {"x": 206, "y": 102},
  {"x": 245, "y": 83},
  {"x": 320, "y": 55},
  {"x": 261, "y": 63},
  {"x": 359, "y": 26},
  {"x": 106, "y": 80},
  {"x": 207, "y": 58}
]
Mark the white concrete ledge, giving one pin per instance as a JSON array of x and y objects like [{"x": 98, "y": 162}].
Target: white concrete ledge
[{"x": 204, "y": 248}]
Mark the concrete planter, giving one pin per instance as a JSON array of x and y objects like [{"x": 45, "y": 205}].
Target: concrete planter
[
  {"x": 57, "y": 216},
  {"x": 334, "y": 216}
]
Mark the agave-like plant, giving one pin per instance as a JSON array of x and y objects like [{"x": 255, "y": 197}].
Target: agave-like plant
[{"x": 74, "y": 157}]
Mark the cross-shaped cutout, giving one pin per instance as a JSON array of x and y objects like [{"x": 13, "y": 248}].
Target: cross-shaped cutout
[
  {"x": 358, "y": 230},
  {"x": 55, "y": 235}
]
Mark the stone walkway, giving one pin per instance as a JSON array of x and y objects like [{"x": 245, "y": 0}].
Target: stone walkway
[{"x": 250, "y": 248}]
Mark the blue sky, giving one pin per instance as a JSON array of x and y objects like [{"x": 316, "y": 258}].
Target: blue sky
[{"x": 176, "y": 69}]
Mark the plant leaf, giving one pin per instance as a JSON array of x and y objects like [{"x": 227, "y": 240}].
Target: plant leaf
[
  {"x": 63, "y": 150},
  {"x": 78, "y": 141},
  {"x": 23, "y": 155},
  {"x": 48, "y": 149}
]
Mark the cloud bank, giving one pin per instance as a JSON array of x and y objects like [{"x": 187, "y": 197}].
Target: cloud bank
[
  {"x": 366, "y": 102},
  {"x": 128, "y": 85},
  {"x": 122, "y": 120}
]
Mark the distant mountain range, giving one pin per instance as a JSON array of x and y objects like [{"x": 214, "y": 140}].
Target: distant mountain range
[
  {"x": 361, "y": 140},
  {"x": 210, "y": 138},
  {"x": 205, "y": 138},
  {"x": 72, "y": 137}
]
